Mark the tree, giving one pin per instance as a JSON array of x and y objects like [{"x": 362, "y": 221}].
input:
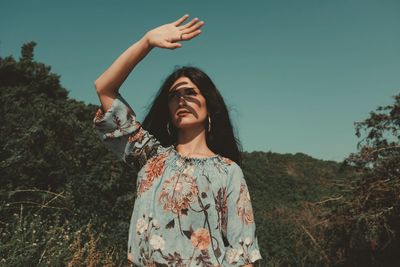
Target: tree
[
  {"x": 56, "y": 177},
  {"x": 366, "y": 225}
]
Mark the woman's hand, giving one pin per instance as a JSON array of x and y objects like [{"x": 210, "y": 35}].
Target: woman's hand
[{"x": 167, "y": 35}]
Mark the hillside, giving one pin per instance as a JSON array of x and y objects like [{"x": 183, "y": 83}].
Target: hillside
[{"x": 66, "y": 199}]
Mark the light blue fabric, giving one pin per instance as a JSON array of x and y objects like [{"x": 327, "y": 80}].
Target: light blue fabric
[{"x": 189, "y": 211}]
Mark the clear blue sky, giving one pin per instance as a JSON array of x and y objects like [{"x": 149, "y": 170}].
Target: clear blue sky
[{"x": 296, "y": 75}]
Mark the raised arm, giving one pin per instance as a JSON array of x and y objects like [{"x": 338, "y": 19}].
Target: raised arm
[
  {"x": 115, "y": 121},
  {"x": 165, "y": 36},
  {"x": 108, "y": 83}
]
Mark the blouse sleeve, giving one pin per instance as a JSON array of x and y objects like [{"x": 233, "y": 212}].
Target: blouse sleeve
[
  {"x": 122, "y": 134},
  {"x": 243, "y": 243}
]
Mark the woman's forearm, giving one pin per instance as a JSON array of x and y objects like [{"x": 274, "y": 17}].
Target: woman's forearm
[
  {"x": 110, "y": 81},
  {"x": 164, "y": 36}
]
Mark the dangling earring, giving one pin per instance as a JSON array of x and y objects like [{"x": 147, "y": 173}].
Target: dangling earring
[
  {"x": 209, "y": 123},
  {"x": 168, "y": 129}
]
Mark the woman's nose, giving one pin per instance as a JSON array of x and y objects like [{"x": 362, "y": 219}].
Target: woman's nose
[{"x": 181, "y": 97}]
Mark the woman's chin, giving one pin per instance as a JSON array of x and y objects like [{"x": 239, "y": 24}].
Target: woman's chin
[{"x": 186, "y": 124}]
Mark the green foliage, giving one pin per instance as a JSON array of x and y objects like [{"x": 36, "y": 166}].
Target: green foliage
[
  {"x": 282, "y": 189},
  {"x": 50, "y": 241},
  {"x": 52, "y": 163},
  {"x": 365, "y": 227},
  {"x": 30, "y": 239},
  {"x": 66, "y": 200}
]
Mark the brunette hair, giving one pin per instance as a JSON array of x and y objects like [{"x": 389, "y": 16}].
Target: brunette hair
[{"x": 221, "y": 139}]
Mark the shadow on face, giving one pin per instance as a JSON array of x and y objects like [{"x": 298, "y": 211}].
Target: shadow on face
[{"x": 185, "y": 96}]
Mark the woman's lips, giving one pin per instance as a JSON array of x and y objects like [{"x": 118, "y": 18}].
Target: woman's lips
[{"x": 181, "y": 114}]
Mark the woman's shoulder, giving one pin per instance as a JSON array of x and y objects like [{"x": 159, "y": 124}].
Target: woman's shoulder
[
  {"x": 233, "y": 168},
  {"x": 230, "y": 165},
  {"x": 227, "y": 161}
]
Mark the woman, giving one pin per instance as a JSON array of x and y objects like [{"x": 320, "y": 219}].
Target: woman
[{"x": 193, "y": 206}]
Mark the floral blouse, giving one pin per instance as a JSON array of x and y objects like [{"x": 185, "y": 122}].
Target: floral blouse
[{"x": 189, "y": 211}]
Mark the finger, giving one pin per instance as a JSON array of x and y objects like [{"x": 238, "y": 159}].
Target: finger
[
  {"x": 189, "y": 36},
  {"x": 188, "y": 24},
  {"x": 170, "y": 45},
  {"x": 182, "y": 19},
  {"x": 177, "y": 45},
  {"x": 194, "y": 27}
]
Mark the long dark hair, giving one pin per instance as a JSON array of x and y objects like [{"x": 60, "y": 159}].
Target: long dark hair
[{"x": 221, "y": 139}]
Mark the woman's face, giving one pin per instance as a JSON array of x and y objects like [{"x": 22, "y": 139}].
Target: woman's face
[{"x": 185, "y": 96}]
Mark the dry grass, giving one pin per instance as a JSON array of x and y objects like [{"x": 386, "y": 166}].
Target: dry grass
[{"x": 87, "y": 253}]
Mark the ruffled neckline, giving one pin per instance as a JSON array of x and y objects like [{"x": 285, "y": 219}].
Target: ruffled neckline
[{"x": 195, "y": 159}]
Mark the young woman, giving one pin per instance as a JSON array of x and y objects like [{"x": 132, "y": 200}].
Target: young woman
[{"x": 193, "y": 206}]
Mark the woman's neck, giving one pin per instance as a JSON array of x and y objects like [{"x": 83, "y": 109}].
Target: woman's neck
[{"x": 192, "y": 141}]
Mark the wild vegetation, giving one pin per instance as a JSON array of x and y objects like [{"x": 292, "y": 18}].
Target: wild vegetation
[{"x": 66, "y": 200}]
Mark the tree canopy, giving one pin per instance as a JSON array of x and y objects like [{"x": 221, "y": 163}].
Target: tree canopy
[{"x": 66, "y": 200}]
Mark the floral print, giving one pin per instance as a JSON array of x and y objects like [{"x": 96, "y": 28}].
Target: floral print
[
  {"x": 145, "y": 228},
  {"x": 124, "y": 135},
  {"x": 255, "y": 255},
  {"x": 138, "y": 136},
  {"x": 188, "y": 211},
  {"x": 99, "y": 114},
  {"x": 227, "y": 161},
  {"x": 154, "y": 170},
  {"x": 157, "y": 242},
  {"x": 178, "y": 192},
  {"x": 244, "y": 208},
  {"x": 141, "y": 225},
  {"x": 201, "y": 238},
  {"x": 234, "y": 255},
  {"x": 155, "y": 167},
  {"x": 222, "y": 209}
]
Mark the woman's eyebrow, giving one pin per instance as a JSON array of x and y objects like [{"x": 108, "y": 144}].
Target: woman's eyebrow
[
  {"x": 185, "y": 88},
  {"x": 176, "y": 85}
]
